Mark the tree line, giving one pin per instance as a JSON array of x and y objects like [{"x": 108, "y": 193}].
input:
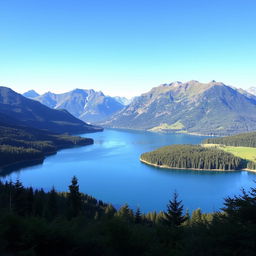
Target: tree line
[
  {"x": 242, "y": 140},
  {"x": 35, "y": 222},
  {"x": 24, "y": 144},
  {"x": 194, "y": 157}
]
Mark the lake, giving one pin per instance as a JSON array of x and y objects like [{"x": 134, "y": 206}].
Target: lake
[{"x": 110, "y": 170}]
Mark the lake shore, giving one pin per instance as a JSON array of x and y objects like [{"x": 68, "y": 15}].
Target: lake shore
[
  {"x": 39, "y": 160},
  {"x": 194, "y": 169}
]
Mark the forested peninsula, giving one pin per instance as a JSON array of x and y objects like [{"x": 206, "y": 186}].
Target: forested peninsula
[
  {"x": 235, "y": 152},
  {"x": 24, "y": 144},
  {"x": 192, "y": 157}
]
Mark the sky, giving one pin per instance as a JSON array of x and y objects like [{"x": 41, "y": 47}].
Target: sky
[{"x": 125, "y": 47}]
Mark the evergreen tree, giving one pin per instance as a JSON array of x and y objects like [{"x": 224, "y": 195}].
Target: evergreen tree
[
  {"x": 19, "y": 200},
  {"x": 138, "y": 218},
  {"x": 110, "y": 210},
  {"x": 125, "y": 212},
  {"x": 174, "y": 215},
  {"x": 29, "y": 200},
  {"x": 52, "y": 207},
  {"x": 196, "y": 216},
  {"x": 75, "y": 198}
]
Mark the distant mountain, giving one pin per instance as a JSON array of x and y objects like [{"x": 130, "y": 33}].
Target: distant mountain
[
  {"x": 252, "y": 90},
  {"x": 19, "y": 110},
  {"x": 87, "y": 105},
  {"x": 192, "y": 107},
  {"x": 31, "y": 94},
  {"x": 123, "y": 100}
]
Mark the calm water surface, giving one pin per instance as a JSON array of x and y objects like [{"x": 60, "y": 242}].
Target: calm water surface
[{"x": 110, "y": 170}]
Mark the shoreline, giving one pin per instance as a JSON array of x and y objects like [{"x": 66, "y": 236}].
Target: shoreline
[
  {"x": 194, "y": 169},
  {"x": 37, "y": 160},
  {"x": 163, "y": 132}
]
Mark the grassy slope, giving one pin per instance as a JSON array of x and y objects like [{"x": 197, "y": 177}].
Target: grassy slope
[
  {"x": 165, "y": 127},
  {"x": 247, "y": 153}
]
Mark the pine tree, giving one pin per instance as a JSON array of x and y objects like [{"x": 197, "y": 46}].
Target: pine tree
[
  {"x": 75, "y": 198},
  {"x": 125, "y": 212},
  {"x": 138, "y": 218},
  {"x": 174, "y": 215},
  {"x": 196, "y": 216},
  {"x": 19, "y": 200},
  {"x": 29, "y": 200},
  {"x": 109, "y": 211},
  {"x": 52, "y": 207}
]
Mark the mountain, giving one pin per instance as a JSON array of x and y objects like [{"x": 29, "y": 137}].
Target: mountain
[
  {"x": 19, "y": 110},
  {"x": 192, "y": 107},
  {"x": 87, "y": 105},
  {"x": 252, "y": 90},
  {"x": 31, "y": 94},
  {"x": 123, "y": 100}
]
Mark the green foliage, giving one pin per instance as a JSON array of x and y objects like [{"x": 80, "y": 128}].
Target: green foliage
[
  {"x": 174, "y": 215},
  {"x": 242, "y": 140},
  {"x": 75, "y": 198},
  {"x": 239, "y": 140},
  {"x": 194, "y": 157},
  {"x": 25, "y": 144},
  {"x": 35, "y": 222}
]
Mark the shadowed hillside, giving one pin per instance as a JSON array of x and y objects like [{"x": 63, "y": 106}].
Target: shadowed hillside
[{"x": 31, "y": 113}]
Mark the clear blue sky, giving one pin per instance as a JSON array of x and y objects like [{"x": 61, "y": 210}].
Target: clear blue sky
[{"x": 125, "y": 47}]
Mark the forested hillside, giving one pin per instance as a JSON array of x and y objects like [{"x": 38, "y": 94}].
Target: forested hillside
[
  {"x": 242, "y": 140},
  {"x": 193, "y": 157},
  {"x": 36, "y": 222},
  {"x": 24, "y": 143}
]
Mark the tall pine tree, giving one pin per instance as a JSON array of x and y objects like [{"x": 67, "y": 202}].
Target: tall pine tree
[
  {"x": 75, "y": 198},
  {"x": 174, "y": 216}
]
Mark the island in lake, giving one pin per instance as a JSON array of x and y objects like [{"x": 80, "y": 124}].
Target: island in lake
[{"x": 219, "y": 154}]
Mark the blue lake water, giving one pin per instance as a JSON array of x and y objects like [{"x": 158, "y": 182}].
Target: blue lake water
[{"x": 110, "y": 170}]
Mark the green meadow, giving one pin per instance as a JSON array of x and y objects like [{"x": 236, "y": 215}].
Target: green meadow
[{"x": 247, "y": 153}]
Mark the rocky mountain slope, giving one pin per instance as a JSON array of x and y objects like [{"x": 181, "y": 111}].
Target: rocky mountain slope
[
  {"x": 192, "y": 107},
  {"x": 87, "y": 105}
]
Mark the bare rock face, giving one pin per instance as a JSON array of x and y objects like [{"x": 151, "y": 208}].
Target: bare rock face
[{"x": 87, "y": 105}]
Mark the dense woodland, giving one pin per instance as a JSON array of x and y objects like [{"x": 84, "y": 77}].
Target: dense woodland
[
  {"x": 35, "y": 222},
  {"x": 25, "y": 144},
  {"x": 242, "y": 140},
  {"x": 193, "y": 156}
]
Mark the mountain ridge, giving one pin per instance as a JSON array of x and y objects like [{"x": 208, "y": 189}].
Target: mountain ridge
[
  {"x": 86, "y": 104},
  {"x": 23, "y": 111},
  {"x": 201, "y": 108}
]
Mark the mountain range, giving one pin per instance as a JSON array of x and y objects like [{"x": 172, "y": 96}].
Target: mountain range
[
  {"x": 16, "y": 109},
  {"x": 88, "y": 105},
  {"x": 192, "y": 107}
]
